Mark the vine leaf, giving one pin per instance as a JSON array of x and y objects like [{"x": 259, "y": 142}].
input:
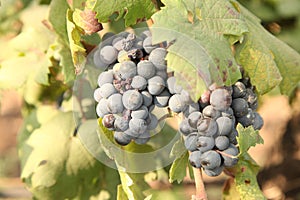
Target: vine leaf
[
  {"x": 178, "y": 168},
  {"x": 245, "y": 171},
  {"x": 266, "y": 59},
  {"x": 133, "y": 185},
  {"x": 86, "y": 21},
  {"x": 33, "y": 121},
  {"x": 64, "y": 169},
  {"x": 77, "y": 50},
  {"x": 248, "y": 137},
  {"x": 229, "y": 190},
  {"x": 131, "y": 10},
  {"x": 57, "y": 18},
  {"x": 186, "y": 73},
  {"x": 245, "y": 178},
  {"x": 203, "y": 32},
  {"x": 23, "y": 58}
]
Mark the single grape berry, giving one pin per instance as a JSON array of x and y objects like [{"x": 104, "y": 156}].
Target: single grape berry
[
  {"x": 222, "y": 142},
  {"x": 121, "y": 124},
  {"x": 194, "y": 159},
  {"x": 132, "y": 99},
  {"x": 157, "y": 57},
  {"x": 138, "y": 126},
  {"x": 205, "y": 143},
  {"x": 108, "y": 121},
  {"x": 146, "y": 69},
  {"x": 115, "y": 104},
  {"x": 207, "y": 127},
  {"x": 220, "y": 99},
  {"x": 139, "y": 82},
  {"x": 156, "y": 85},
  {"x": 224, "y": 125},
  {"x": 210, "y": 160},
  {"x": 191, "y": 141},
  {"x": 105, "y": 77},
  {"x": 176, "y": 104},
  {"x": 141, "y": 113},
  {"x": 107, "y": 90},
  {"x": 193, "y": 118},
  {"x": 108, "y": 54},
  {"x": 239, "y": 107},
  {"x": 121, "y": 138},
  {"x": 185, "y": 127}
]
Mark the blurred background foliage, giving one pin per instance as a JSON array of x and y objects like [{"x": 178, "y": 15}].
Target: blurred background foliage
[{"x": 31, "y": 63}]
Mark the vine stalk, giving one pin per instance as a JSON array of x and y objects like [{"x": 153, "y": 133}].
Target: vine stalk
[{"x": 200, "y": 188}]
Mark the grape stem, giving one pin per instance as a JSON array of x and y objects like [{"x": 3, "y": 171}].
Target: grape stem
[
  {"x": 225, "y": 154},
  {"x": 200, "y": 188}
]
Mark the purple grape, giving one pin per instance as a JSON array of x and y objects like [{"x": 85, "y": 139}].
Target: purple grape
[
  {"x": 210, "y": 160},
  {"x": 220, "y": 99},
  {"x": 194, "y": 159}
]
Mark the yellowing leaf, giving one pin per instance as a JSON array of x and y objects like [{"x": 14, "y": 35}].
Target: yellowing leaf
[
  {"x": 268, "y": 61},
  {"x": 77, "y": 49},
  {"x": 245, "y": 179}
]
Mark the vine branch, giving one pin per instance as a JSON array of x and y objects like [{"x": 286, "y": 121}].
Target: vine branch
[{"x": 200, "y": 188}]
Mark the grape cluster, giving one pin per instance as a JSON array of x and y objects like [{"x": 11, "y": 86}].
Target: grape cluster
[
  {"x": 209, "y": 126},
  {"x": 134, "y": 81}
]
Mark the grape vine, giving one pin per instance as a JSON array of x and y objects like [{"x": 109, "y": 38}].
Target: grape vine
[{"x": 106, "y": 83}]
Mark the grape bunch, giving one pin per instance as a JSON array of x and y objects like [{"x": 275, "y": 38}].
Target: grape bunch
[
  {"x": 209, "y": 126},
  {"x": 134, "y": 81}
]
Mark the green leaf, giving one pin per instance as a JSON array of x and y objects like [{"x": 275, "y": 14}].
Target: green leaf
[
  {"x": 66, "y": 61},
  {"x": 93, "y": 39},
  {"x": 57, "y": 17},
  {"x": 267, "y": 60},
  {"x": 57, "y": 165},
  {"x": 245, "y": 178},
  {"x": 133, "y": 185},
  {"x": 246, "y": 169},
  {"x": 132, "y": 10},
  {"x": 178, "y": 150},
  {"x": 178, "y": 168},
  {"x": 248, "y": 137},
  {"x": 58, "y": 20},
  {"x": 204, "y": 32}
]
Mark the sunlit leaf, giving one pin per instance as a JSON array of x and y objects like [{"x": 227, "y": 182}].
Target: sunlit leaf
[{"x": 202, "y": 31}]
